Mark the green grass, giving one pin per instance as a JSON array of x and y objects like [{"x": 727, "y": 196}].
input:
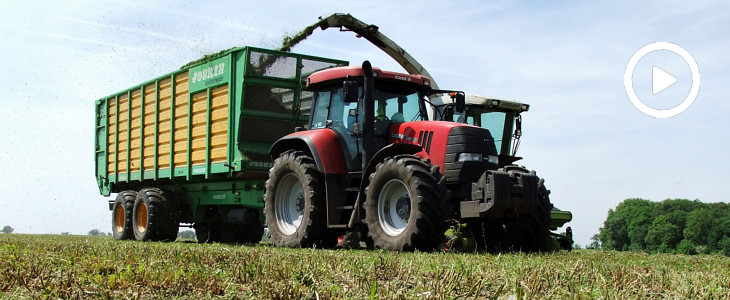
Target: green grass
[{"x": 36, "y": 266}]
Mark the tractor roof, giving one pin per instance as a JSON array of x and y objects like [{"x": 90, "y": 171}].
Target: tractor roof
[
  {"x": 485, "y": 102},
  {"x": 356, "y": 71}
]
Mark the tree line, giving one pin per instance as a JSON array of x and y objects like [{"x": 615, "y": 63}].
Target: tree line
[{"x": 671, "y": 226}]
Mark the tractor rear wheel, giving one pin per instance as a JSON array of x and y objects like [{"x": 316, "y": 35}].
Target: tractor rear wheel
[
  {"x": 406, "y": 205},
  {"x": 122, "y": 215},
  {"x": 154, "y": 216},
  {"x": 295, "y": 202}
]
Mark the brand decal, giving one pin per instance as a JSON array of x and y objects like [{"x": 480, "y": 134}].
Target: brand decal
[
  {"x": 405, "y": 78},
  {"x": 212, "y": 72},
  {"x": 510, "y": 105},
  {"x": 261, "y": 164}
]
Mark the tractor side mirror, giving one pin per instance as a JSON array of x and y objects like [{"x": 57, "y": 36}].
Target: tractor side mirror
[
  {"x": 350, "y": 88},
  {"x": 460, "y": 102}
]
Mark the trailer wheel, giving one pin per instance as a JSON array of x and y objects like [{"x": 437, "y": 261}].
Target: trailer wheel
[
  {"x": 249, "y": 233},
  {"x": 206, "y": 233},
  {"x": 122, "y": 215},
  {"x": 154, "y": 216},
  {"x": 252, "y": 232},
  {"x": 406, "y": 205},
  {"x": 295, "y": 202}
]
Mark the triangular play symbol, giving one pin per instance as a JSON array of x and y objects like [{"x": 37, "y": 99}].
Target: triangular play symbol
[{"x": 660, "y": 80}]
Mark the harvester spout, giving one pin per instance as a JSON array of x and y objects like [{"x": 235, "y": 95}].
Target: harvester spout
[{"x": 347, "y": 22}]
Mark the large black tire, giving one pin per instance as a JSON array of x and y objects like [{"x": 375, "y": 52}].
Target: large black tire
[
  {"x": 155, "y": 216},
  {"x": 406, "y": 205},
  {"x": 207, "y": 233},
  {"x": 295, "y": 203},
  {"x": 249, "y": 233},
  {"x": 122, "y": 215},
  {"x": 529, "y": 232}
]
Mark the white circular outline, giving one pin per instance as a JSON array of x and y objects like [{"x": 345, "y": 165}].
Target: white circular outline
[{"x": 629, "y": 84}]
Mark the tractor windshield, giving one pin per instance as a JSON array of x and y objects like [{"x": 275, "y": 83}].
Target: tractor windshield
[
  {"x": 499, "y": 123},
  {"x": 496, "y": 122},
  {"x": 397, "y": 104}
]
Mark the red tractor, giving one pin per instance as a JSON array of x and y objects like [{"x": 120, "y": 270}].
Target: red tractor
[{"x": 372, "y": 165}]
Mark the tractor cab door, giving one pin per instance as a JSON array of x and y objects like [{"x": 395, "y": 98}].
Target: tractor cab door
[
  {"x": 393, "y": 104},
  {"x": 331, "y": 111}
]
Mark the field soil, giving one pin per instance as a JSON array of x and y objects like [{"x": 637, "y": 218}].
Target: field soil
[{"x": 38, "y": 266}]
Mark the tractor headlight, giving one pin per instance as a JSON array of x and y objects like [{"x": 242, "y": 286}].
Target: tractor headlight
[
  {"x": 492, "y": 159},
  {"x": 469, "y": 157}
]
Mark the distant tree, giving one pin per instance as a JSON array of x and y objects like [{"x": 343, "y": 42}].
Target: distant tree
[
  {"x": 629, "y": 215},
  {"x": 65, "y": 233},
  {"x": 186, "y": 234},
  {"x": 725, "y": 245},
  {"x": 698, "y": 225},
  {"x": 686, "y": 247},
  {"x": 637, "y": 237},
  {"x": 96, "y": 232},
  {"x": 8, "y": 229},
  {"x": 663, "y": 232},
  {"x": 670, "y": 226}
]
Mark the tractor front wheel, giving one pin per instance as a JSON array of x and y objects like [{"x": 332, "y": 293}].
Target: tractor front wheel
[
  {"x": 405, "y": 205},
  {"x": 295, "y": 202}
]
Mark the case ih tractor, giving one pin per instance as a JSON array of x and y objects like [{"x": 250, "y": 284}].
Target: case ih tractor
[{"x": 371, "y": 164}]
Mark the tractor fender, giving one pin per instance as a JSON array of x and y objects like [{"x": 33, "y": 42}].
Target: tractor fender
[
  {"x": 321, "y": 144},
  {"x": 389, "y": 150}
]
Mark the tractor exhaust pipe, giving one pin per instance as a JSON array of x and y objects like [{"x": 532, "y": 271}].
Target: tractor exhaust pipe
[{"x": 368, "y": 123}]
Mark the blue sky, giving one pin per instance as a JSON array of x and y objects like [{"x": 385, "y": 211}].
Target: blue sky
[{"x": 565, "y": 58}]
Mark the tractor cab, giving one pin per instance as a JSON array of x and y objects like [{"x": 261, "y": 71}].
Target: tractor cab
[
  {"x": 501, "y": 117},
  {"x": 397, "y": 99}
]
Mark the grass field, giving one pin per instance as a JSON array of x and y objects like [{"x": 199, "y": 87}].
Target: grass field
[{"x": 36, "y": 266}]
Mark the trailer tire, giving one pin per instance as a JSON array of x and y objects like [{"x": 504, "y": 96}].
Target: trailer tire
[
  {"x": 253, "y": 231},
  {"x": 122, "y": 215},
  {"x": 155, "y": 216},
  {"x": 295, "y": 202},
  {"x": 206, "y": 233},
  {"x": 406, "y": 205},
  {"x": 249, "y": 233}
]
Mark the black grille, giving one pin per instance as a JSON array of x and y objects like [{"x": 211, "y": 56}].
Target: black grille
[
  {"x": 468, "y": 140},
  {"x": 424, "y": 139}
]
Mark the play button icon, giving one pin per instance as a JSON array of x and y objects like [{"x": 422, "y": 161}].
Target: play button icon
[{"x": 660, "y": 80}]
